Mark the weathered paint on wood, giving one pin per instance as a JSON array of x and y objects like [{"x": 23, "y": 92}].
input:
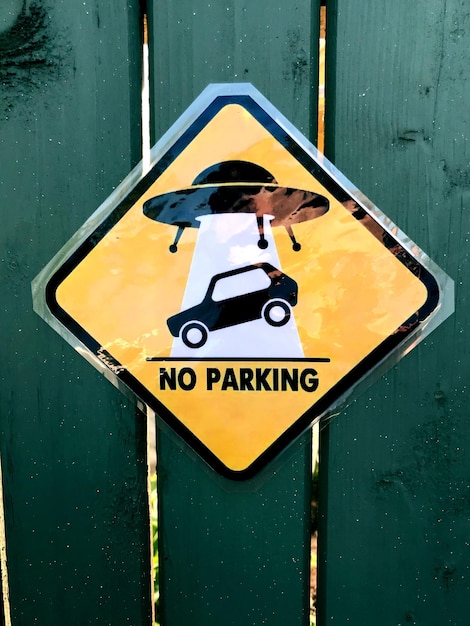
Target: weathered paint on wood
[
  {"x": 234, "y": 553},
  {"x": 395, "y": 466},
  {"x": 73, "y": 450}
]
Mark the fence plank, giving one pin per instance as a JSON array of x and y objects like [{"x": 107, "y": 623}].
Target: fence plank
[
  {"x": 273, "y": 45},
  {"x": 395, "y": 473},
  {"x": 73, "y": 451},
  {"x": 234, "y": 554}
]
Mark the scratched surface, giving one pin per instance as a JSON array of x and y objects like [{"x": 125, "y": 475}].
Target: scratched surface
[
  {"x": 395, "y": 466},
  {"x": 73, "y": 450}
]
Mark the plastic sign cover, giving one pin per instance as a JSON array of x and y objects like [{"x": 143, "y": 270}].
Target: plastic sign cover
[{"x": 239, "y": 287}]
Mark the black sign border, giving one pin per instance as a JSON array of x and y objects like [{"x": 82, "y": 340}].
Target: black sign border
[{"x": 330, "y": 398}]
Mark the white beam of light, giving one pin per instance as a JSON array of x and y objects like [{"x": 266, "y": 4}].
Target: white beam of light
[{"x": 226, "y": 242}]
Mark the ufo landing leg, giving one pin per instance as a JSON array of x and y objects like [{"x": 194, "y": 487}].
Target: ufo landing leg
[
  {"x": 295, "y": 244},
  {"x": 174, "y": 246},
  {"x": 262, "y": 243}
]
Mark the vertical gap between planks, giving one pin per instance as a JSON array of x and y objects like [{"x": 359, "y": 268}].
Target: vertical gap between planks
[
  {"x": 316, "y": 427},
  {"x": 321, "y": 80},
  {"x": 3, "y": 559},
  {"x": 150, "y": 415},
  {"x": 152, "y": 504},
  {"x": 330, "y": 26},
  {"x": 145, "y": 97}
]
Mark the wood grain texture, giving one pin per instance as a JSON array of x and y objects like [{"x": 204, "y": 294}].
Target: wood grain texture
[
  {"x": 234, "y": 553},
  {"x": 273, "y": 45},
  {"x": 73, "y": 451},
  {"x": 395, "y": 466}
]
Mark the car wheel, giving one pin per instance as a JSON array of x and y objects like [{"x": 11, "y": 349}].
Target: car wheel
[
  {"x": 276, "y": 312},
  {"x": 194, "y": 334}
]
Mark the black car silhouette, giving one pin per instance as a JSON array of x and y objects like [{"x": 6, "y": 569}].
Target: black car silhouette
[{"x": 272, "y": 298}]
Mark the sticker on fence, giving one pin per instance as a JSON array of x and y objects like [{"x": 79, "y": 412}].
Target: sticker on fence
[{"x": 240, "y": 288}]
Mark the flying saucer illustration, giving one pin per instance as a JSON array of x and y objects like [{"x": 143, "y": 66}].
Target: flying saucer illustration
[{"x": 236, "y": 187}]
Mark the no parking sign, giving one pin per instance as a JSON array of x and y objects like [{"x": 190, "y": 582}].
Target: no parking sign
[{"x": 240, "y": 288}]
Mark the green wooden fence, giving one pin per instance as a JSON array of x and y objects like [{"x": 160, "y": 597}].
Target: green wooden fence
[
  {"x": 73, "y": 450},
  {"x": 395, "y": 505},
  {"x": 395, "y": 466}
]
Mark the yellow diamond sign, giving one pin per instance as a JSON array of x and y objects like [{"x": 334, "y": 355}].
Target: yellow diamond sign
[{"x": 240, "y": 287}]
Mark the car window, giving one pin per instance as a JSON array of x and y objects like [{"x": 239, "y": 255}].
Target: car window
[{"x": 240, "y": 284}]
